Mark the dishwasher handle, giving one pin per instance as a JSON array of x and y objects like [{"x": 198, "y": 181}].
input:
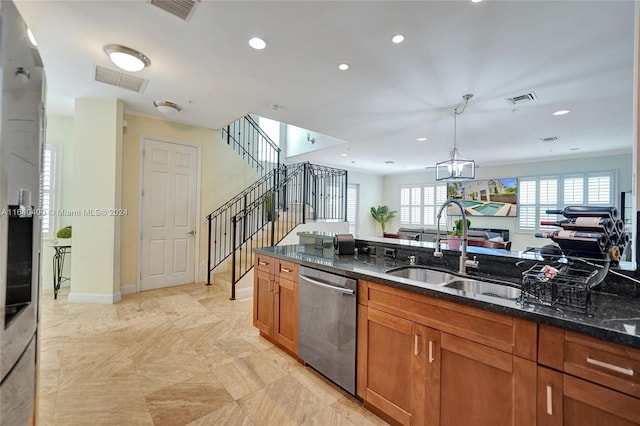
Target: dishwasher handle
[{"x": 328, "y": 286}]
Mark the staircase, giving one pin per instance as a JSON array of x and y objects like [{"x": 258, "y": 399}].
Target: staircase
[{"x": 265, "y": 212}]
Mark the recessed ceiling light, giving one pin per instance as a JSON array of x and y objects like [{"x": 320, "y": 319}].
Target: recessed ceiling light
[
  {"x": 476, "y": 1},
  {"x": 421, "y": 139},
  {"x": 126, "y": 58},
  {"x": 257, "y": 43},
  {"x": 167, "y": 107},
  {"x": 389, "y": 162},
  {"x": 343, "y": 67},
  {"x": 561, "y": 112},
  {"x": 32, "y": 39},
  {"x": 398, "y": 38},
  {"x": 343, "y": 155}
]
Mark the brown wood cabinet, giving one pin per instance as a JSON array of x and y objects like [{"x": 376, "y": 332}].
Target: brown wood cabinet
[
  {"x": 275, "y": 301},
  {"x": 415, "y": 369},
  {"x": 589, "y": 382}
]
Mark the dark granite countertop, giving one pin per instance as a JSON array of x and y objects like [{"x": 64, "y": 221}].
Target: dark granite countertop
[{"x": 615, "y": 318}]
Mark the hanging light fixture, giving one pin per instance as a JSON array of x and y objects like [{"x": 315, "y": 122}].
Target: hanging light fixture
[{"x": 456, "y": 168}]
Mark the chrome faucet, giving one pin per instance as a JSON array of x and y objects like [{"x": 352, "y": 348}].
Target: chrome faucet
[{"x": 464, "y": 262}]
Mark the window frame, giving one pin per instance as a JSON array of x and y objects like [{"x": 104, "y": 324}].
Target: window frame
[
  {"x": 561, "y": 196},
  {"x": 419, "y": 208},
  {"x": 54, "y": 178}
]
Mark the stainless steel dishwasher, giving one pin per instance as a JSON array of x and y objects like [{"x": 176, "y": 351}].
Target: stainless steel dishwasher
[{"x": 327, "y": 328}]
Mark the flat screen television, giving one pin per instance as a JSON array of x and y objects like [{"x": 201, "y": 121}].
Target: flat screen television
[{"x": 491, "y": 197}]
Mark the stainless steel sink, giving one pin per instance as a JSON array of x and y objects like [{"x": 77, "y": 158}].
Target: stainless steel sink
[
  {"x": 424, "y": 275},
  {"x": 485, "y": 288}
]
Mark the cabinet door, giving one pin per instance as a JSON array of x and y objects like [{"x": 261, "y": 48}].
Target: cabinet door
[
  {"x": 391, "y": 364},
  {"x": 480, "y": 385},
  {"x": 286, "y": 314},
  {"x": 426, "y": 383},
  {"x": 263, "y": 305}
]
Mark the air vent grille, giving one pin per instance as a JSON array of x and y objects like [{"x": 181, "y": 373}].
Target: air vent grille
[
  {"x": 116, "y": 78},
  {"x": 183, "y": 9},
  {"x": 521, "y": 99},
  {"x": 549, "y": 139}
]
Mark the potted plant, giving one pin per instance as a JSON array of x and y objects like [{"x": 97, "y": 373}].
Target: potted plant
[
  {"x": 454, "y": 236},
  {"x": 64, "y": 235},
  {"x": 382, "y": 215}
]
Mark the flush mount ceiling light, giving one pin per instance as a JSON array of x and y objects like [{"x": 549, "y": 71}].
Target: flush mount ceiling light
[
  {"x": 561, "y": 112},
  {"x": 167, "y": 107},
  {"x": 421, "y": 139},
  {"x": 398, "y": 38},
  {"x": 126, "y": 58},
  {"x": 343, "y": 67},
  {"x": 257, "y": 43},
  {"x": 456, "y": 168}
]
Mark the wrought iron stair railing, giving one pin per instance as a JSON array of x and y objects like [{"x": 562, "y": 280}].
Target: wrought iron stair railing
[
  {"x": 270, "y": 209},
  {"x": 253, "y": 144}
]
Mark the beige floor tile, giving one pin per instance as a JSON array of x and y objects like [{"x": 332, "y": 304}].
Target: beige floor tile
[
  {"x": 98, "y": 407},
  {"x": 248, "y": 374},
  {"x": 185, "y": 402},
  {"x": 355, "y": 413},
  {"x": 176, "y": 356},
  {"x": 228, "y": 415},
  {"x": 283, "y": 402}
]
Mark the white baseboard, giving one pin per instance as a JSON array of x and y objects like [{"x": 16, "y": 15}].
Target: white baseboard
[
  {"x": 128, "y": 289},
  {"x": 98, "y": 298}
]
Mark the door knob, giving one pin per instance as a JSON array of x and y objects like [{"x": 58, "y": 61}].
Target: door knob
[{"x": 191, "y": 233}]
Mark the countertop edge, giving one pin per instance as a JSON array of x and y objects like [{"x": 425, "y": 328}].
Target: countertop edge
[{"x": 499, "y": 307}]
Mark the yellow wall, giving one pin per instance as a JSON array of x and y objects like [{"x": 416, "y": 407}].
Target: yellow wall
[{"x": 224, "y": 174}]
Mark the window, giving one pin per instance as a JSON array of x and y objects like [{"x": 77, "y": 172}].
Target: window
[
  {"x": 271, "y": 128},
  {"x": 47, "y": 185},
  {"x": 352, "y": 207},
  {"x": 419, "y": 204},
  {"x": 536, "y": 195}
]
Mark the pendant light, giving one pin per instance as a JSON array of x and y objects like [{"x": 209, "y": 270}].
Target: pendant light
[{"x": 456, "y": 168}]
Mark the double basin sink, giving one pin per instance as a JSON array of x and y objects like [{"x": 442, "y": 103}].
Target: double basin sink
[{"x": 447, "y": 280}]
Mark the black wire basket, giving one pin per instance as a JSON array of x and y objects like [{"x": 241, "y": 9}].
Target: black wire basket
[{"x": 559, "y": 284}]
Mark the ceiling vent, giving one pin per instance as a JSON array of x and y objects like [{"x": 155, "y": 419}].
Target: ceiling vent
[
  {"x": 517, "y": 100},
  {"x": 119, "y": 79},
  {"x": 183, "y": 9},
  {"x": 550, "y": 139}
]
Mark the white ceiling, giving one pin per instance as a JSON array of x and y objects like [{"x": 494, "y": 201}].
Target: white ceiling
[{"x": 575, "y": 55}]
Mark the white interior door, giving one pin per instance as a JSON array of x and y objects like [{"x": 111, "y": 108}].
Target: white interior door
[{"x": 168, "y": 214}]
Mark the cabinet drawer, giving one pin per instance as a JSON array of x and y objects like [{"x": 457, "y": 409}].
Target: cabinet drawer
[
  {"x": 287, "y": 270},
  {"x": 265, "y": 263},
  {"x": 606, "y": 363}
]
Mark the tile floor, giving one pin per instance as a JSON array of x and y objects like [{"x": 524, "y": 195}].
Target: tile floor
[{"x": 183, "y": 355}]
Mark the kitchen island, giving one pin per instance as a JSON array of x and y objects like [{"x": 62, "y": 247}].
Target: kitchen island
[{"x": 434, "y": 355}]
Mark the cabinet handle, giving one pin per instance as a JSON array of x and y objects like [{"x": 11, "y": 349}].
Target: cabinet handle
[
  {"x": 261, "y": 263},
  {"x": 549, "y": 400},
  {"x": 416, "y": 344},
  {"x": 431, "y": 358},
  {"x": 286, "y": 270},
  {"x": 627, "y": 371}
]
